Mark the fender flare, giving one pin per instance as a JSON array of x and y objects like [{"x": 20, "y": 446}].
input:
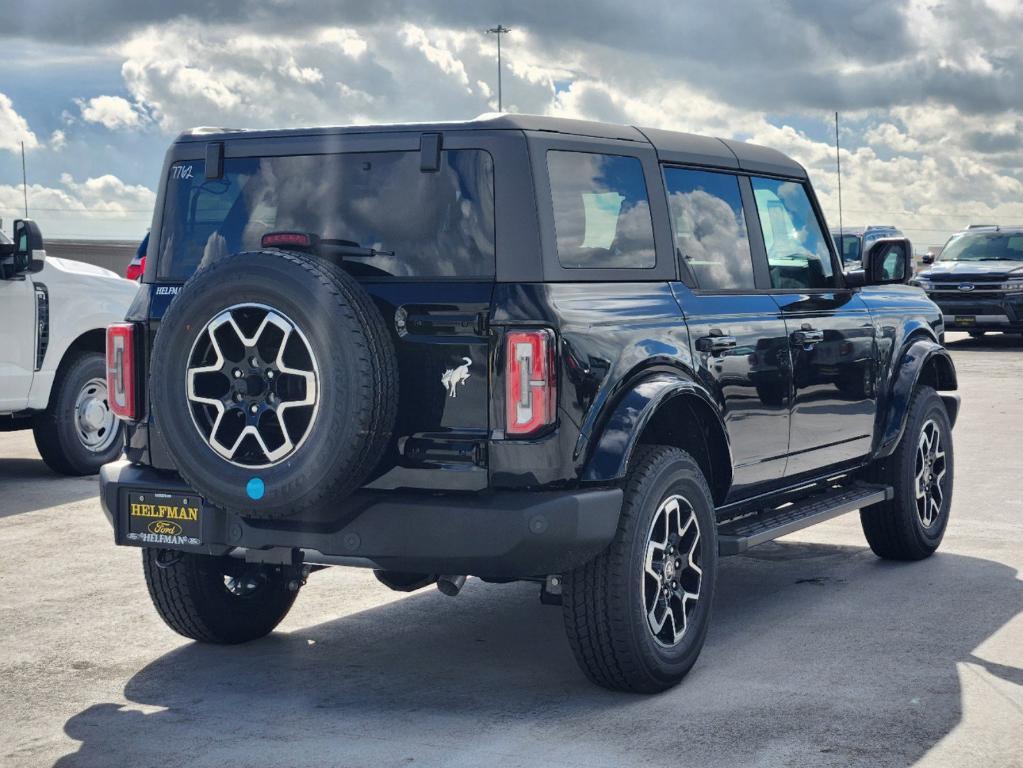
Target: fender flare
[
  {"x": 914, "y": 359},
  {"x": 619, "y": 435}
]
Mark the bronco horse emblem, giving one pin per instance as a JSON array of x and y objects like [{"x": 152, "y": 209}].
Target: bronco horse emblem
[{"x": 454, "y": 376}]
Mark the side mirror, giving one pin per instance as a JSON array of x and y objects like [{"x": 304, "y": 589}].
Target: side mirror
[
  {"x": 29, "y": 251},
  {"x": 928, "y": 258},
  {"x": 888, "y": 261}
]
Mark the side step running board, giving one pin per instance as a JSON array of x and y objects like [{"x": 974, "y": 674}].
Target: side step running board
[{"x": 736, "y": 536}]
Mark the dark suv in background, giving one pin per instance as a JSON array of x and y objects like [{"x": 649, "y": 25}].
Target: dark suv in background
[
  {"x": 977, "y": 280},
  {"x": 853, "y": 242},
  {"x": 591, "y": 356}
]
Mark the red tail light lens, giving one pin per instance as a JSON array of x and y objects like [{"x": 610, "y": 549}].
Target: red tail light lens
[
  {"x": 121, "y": 370},
  {"x": 530, "y": 388},
  {"x": 135, "y": 269}
]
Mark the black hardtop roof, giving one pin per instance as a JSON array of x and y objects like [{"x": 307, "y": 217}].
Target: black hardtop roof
[{"x": 671, "y": 146}]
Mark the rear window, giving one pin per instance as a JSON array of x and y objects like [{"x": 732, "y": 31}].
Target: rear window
[
  {"x": 421, "y": 224},
  {"x": 601, "y": 211}
]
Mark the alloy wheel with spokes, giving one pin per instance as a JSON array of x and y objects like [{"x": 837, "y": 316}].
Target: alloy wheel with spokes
[
  {"x": 672, "y": 574},
  {"x": 930, "y": 474},
  {"x": 252, "y": 385}
]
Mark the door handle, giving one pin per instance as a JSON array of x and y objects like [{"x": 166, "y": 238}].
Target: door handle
[
  {"x": 716, "y": 342},
  {"x": 807, "y": 336}
]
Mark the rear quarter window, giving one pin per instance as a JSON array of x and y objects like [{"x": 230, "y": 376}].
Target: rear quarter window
[
  {"x": 601, "y": 211},
  {"x": 421, "y": 224}
]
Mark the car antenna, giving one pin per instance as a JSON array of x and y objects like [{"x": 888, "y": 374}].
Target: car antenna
[{"x": 838, "y": 162}]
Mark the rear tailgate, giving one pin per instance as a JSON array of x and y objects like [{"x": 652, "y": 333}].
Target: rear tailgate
[{"x": 444, "y": 383}]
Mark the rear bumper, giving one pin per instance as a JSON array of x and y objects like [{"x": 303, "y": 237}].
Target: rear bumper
[{"x": 497, "y": 534}]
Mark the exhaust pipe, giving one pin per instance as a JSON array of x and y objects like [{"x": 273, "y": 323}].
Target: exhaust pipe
[{"x": 450, "y": 585}]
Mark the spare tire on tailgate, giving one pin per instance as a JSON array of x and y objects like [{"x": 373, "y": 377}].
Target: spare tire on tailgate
[{"x": 274, "y": 383}]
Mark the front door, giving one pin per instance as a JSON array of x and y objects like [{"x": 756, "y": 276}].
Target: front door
[
  {"x": 831, "y": 337},
  {"x": 738, "y": 334},
  {"x": 17, "y": 348},
  {"x": 830, "y": 332}
]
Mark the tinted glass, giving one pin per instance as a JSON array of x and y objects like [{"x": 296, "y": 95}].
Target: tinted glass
[
  {"x": 848, "y": 247},
  {"x": 438, "y": 224},
  {"x": 710, "y": 227},
  {"x": 601, "y": 211},
  {"x": 984, "y": 247},
  {"x": 894, "y": 265},
  {"x": 797, "y": 250}
]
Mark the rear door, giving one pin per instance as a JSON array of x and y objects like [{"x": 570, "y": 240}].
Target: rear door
[
  {"x": 830, "y": 332},
  {"x": 412, "y": 219},
  {"x": 738, "y": 334}
]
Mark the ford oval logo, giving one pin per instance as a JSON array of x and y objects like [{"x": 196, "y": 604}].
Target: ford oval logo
[
  {"x": 164, "y": 528},
  {"x": 966, "y": 286}
]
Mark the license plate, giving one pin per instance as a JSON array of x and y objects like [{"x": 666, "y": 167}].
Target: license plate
[
  {"x": 156, "y": 517},
  {"x": 965, "y": 320}
]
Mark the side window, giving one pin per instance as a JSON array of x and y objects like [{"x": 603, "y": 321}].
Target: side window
[
  {"x": 601, "y": 211},
  {"x": 797, "y": 251},
  {"x": 710, "y": 227}
]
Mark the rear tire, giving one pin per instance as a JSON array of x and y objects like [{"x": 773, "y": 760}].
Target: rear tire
[
  {"x": 911, "y": 526},
  {"x": 216, "y": 599},
  {"x": 77, "y": 434},
  {"x": 613, "y": 604}
]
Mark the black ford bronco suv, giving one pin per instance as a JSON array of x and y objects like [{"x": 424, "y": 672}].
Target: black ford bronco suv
[{"x": 591, "y": 356}]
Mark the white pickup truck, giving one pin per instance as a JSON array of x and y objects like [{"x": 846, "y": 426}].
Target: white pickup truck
[{"x": 53, "y": 318}]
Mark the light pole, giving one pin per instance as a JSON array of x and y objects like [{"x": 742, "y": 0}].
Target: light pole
[{"x": 499, "y": 30}]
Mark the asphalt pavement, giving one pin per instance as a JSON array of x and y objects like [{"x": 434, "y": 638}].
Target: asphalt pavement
[{"x": 818, "y": 654}]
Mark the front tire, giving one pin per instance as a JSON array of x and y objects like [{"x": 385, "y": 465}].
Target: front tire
[
  {"x": 217, "y": 600},
  {"x": 637, "y": 614},
  {"x": 78, "y": 433},
  {"x": 912, "y": 524}
]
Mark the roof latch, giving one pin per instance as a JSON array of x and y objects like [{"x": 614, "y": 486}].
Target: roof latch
[
  {"x": 214, "y": 159},
  {"x": 429, "y": 152}
]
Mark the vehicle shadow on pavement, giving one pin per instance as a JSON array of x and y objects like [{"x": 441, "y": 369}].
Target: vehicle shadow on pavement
[
  {"x": 992, "y": 341},
  {"x": 28, "y": 484},
  {"x": 817, "y": 654}
]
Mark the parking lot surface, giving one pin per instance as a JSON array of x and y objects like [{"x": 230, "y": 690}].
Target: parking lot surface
[{"x": 818, "y": 653}]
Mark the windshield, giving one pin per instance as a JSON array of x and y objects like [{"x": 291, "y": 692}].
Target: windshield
[
  {"x": 987, "y": 246},
  {"x": 849, "y": 247},
  {"x": 388, "y": 216}
]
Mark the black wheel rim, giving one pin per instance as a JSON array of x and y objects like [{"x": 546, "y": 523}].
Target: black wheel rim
[
  {"x": 252, "y": 385},
  {"x": 672, "y": 574},
  {"x": 930, "y": 473}
]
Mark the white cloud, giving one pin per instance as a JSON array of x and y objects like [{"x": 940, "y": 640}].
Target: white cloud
[
  {"x": 58, "y": 140},
  {"x": 103, "y": 206},
  {"x": 14, "y": 128},
  {"x": 112, "y": 112},
  {"x": 929, "y": 92}
]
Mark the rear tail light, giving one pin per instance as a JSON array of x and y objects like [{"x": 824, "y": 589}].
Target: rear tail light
[
  {"x": 135, "y": 269},
  {"x": 121, "y": 370},
  {"x": 530, "y": 386}
]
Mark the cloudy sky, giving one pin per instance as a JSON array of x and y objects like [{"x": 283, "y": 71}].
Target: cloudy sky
[{"x": 930, "y": 92}]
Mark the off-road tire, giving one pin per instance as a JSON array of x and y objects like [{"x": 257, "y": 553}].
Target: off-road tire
[
  {"x": 357, "y": 383},
  {"x": 603, "y": 600},
  {"x": 55, "y": 429},
  {"x": 894, "y": 529},
  {"x": 190, "y": 595}
]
